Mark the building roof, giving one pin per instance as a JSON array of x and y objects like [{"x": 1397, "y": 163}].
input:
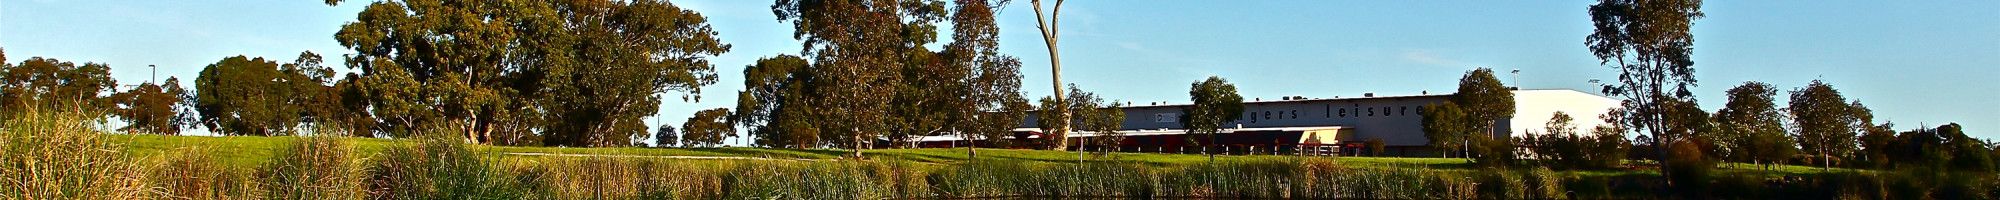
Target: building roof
[
  {"x": 1343, "y": 99},
  {"x": 1139, "y": 132}
]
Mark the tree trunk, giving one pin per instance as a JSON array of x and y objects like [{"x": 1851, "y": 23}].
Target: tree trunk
[
  {"x": 857, "y": 145},
  {"x": 1055, "y": 68},
  {"x": 971, "y": 151}
]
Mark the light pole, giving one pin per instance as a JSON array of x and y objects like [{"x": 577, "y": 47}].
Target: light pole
[{"x": 1517, "y": 78}]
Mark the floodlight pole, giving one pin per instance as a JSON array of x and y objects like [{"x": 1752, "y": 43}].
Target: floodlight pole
[{"x": 1517, "y": 78}]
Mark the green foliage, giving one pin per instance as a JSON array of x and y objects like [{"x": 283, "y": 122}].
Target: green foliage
[
  {"x": 254, "y": 96},
  {"x": 1215, "y": 104},
  {"x": 1608, "y": 146},
  {"x": 1751, "y": 125},
  {"x": 1469, "y": 118},
  {"x": 151, "y": 108},
  {"x": 859, "y": 45},
  {"x": 989, "y": 102},
  {"x": 1485, "y": 100},
  {"x": 1087, "y": 113},
  {"x": 1493, "y": 151},
  {"x": 1825, "y": 120},
  {"x": 708, "y": 128},
  {"x": 666, "y": 136},
  {"x": 54, "y": 84},
  {"x": 777, "y": 108},
  {"x": 1561, "y": 146},
  {"x": 1446, "y": 127},
  {"x": 1689, "y": 167},
  {"x": 581, "y": 73},
  {"x": 1651, "y": 44}
]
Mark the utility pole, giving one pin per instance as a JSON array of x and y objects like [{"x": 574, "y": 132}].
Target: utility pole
[{"x": 156, "y": 74}]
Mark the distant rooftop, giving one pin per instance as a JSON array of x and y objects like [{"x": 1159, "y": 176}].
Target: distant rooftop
[{"x": 1340, "y": 98}]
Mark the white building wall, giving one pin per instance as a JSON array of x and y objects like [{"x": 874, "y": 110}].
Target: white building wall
[
  {"x": 1394, "y": 119},
  {"x": 1534, "y": 108}
]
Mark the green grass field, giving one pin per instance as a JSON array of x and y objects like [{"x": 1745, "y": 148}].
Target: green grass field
[{"x": 250, "y": 151}]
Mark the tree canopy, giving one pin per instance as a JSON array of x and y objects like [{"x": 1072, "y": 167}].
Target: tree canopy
[
  {"x": 1446, "y": 127},
  {"x": 708, "y": 128},
  {"x": 1484, "y": 99},
  {"x": 581, "y": 73},
  {"x": 255, "y": 96},
  {"x": 1216, "y": 103},
  {"x": 1752, "y": 127},
  {"x": 154, "y": 108},
  {"x": 48, "y": 83},
  {"x": 1826, "y": 121},
  {"x": 1651, "y": 44}
]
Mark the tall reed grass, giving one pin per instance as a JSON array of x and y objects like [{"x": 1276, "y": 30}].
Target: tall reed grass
[
  {"x": 193, "y": 173},
  {"x": 60, "y": 156},
  {"x": 315, "y": 167},
  {"x": 439, "y": 168}
]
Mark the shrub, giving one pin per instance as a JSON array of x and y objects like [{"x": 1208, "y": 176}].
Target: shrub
[
  {"x": 59, "y": 156},
  {"x": 314, "y": 167}
]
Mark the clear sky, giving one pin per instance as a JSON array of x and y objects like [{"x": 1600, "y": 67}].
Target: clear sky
[{"x": 1925, "y": 62}]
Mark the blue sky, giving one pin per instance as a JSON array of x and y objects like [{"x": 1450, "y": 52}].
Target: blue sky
[{"x": 1929, "y": 62}]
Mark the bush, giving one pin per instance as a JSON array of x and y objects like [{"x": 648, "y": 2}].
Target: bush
[
  {"x": 59, "y": 156},
  {"x": 314, "y": 167},
  {"x": 1493, "y": 152},
  {"x": 1577, "y": 151}
]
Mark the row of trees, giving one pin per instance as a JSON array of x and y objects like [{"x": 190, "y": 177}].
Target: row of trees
[
  {"x": 1818, "y": 123},
  {"x": 50, "y": 84},
  {"x": 558, "y": 73},
  {"x": 869, "y": 60},
  {"x": 585, "y": 73}
]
